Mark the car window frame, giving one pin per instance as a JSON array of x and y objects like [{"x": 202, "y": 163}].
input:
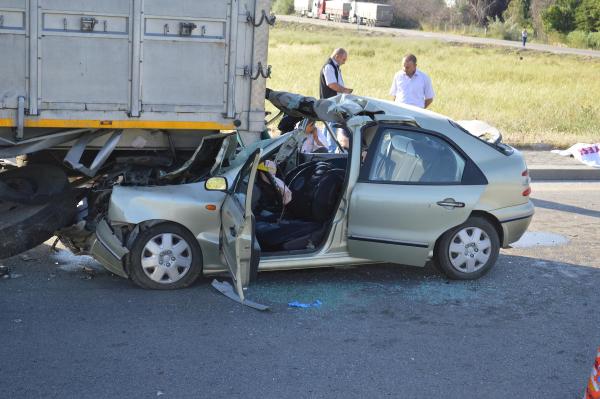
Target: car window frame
[{"x": 472, "y": 174}]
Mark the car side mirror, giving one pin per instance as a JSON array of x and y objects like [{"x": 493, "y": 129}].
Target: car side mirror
[{"x": 216, "y": 184}]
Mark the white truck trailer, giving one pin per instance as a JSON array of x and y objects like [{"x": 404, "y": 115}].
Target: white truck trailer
[
  {"x": 372, "y": 14},
  {"x": 118, "y": 92},
  {"x": 304, "y": 8}
]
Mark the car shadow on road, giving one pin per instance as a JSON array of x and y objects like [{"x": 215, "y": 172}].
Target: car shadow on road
[{"x": 565, "y": 208}]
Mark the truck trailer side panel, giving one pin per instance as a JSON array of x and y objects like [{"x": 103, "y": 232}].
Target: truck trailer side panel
[{"x": 147, "y": 64}]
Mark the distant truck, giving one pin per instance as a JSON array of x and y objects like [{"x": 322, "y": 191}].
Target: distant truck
[
  {"x": 97, "y": 93},
  {"x": 371, "y": 14}
]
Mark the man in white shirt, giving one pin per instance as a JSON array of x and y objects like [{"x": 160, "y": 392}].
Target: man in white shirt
[
  {"x": 331, "y": 81},
  {"x": 412, "y": 86}
]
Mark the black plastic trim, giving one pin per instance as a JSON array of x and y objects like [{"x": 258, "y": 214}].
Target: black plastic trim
[
  {"x": 382, "y": 241},
  {"x": 515, "y": 219}
]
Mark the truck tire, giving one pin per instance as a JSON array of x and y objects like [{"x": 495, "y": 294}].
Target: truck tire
[
  {"x": 33, "y": 184},
  {"x": 23, "y": 227},
  {"x": 35, "y": 201}
]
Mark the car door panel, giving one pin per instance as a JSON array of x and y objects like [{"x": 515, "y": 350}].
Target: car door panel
[
  {"x": 410, "y": 191},
  {"x": 237, "y": 238},
  {"x": 400, "y": 223}
]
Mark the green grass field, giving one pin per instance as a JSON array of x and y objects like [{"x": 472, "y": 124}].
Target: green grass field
[{"x": 532, "y": 97}]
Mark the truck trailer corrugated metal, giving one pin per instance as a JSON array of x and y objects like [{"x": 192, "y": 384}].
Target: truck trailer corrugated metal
[{"x": 175, "y": 65}]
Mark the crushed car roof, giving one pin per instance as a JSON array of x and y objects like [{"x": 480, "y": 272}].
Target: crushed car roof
[{"x": 343, "y": 107}]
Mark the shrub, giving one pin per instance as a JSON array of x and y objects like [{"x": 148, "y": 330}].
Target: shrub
[
  {"x": 283, "y": 7},
  {"x": 577, "y": 38},
  {"x": 503, "y": 30},
  {"x": 594, "y": 40}
]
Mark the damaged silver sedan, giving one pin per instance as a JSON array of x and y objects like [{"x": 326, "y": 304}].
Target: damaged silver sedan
[{"x": 412, "y": 187}]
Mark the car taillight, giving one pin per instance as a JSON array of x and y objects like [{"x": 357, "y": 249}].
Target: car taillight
[
  {"x": 525, "y": 173},
  {"x": 526, "y": 192}
]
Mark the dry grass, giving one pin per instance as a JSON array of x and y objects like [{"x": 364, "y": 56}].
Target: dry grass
[{"x": 531, "y": 97}]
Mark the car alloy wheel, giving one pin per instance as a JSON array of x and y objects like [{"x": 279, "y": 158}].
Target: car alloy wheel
[
  {"x": 166, "y": 258},
  {"x": 469, "y": 250}
]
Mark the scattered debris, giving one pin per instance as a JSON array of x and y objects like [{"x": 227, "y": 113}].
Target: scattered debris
[
  {"x": 4, "y": 271},
  {"x": 296, "y": 304},
  {"x": 88, "y": 273},
  {"x": 18, "y": 320},
  {"x": 27, "y": 258},
  {"x": 69, "y": 262},
  {"x": 159, "y": 393}
]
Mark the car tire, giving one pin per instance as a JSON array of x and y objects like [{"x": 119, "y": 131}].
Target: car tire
[
  {"x": 165, "y": 256},
  {"x": 468, "y": 251}
]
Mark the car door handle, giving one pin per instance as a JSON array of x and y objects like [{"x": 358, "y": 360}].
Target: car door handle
[
  {"x": 232, "y": 231},
  {"x": 450, "y": 203}
]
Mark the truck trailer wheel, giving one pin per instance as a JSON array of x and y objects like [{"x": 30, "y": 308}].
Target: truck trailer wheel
[
  {"x": 42, "y": 203},
  {"x": 33, "y": 184}
]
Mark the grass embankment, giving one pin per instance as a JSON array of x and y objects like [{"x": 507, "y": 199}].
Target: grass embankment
[{"x": 531, "y": 97}]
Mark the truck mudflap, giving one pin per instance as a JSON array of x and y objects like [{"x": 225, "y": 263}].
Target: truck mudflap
[{"x": 107, "y": 249}]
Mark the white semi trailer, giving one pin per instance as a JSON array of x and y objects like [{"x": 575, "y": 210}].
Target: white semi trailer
[
  {"x": 118, "y": 92},
  {"x": 371, "y": 14},
  {"x": 304, "y": 8}
]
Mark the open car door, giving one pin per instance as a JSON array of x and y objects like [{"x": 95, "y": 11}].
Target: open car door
[{"x": 237, "y": 240}]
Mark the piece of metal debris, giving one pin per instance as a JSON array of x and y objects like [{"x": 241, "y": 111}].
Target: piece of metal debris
[
  {"x": 4, "y": 271},
  {"x": 226, "y": 289}
]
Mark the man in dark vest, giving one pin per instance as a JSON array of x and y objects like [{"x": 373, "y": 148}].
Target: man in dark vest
[{"x": 332, "y": 82}]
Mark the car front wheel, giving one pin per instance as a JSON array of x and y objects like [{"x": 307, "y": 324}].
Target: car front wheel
[
  {"x": 165, "y": 256},
  {"x": 468, "y": 251}
]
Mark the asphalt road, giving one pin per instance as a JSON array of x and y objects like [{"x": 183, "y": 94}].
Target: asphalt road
[
  {"x": 529, "y": 329},
  {"x": 444, "y": 36}
]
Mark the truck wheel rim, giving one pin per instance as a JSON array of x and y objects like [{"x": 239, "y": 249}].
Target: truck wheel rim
[
  {"x": 470, "y": 249},
  {"x": 166, "y": 258}
]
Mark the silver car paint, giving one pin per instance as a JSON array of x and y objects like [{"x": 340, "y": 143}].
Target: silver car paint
[{"x": 185, "y": 204}]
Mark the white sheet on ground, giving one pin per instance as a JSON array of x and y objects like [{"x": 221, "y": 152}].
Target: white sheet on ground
[{"x": 588, "y": 154}]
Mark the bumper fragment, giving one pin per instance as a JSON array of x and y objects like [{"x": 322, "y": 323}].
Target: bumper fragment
[{"x": 107, "y": 249}]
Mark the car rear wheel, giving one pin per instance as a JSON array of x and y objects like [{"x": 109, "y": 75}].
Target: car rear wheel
[
  {"x": 165, "y": 256},
  {"x": 468, "y": 251}
]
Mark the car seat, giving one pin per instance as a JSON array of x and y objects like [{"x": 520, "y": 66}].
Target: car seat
[{"x": 315, "y": 190}]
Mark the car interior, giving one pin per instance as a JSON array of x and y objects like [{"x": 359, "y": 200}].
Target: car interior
[{"x": 316, "y": 181}]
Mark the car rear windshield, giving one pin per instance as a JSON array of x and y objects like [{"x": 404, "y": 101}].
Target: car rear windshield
[{"x": 498, "y": 146}]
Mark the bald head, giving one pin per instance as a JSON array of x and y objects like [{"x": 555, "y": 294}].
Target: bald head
[{"x": 339, "y": 55}]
